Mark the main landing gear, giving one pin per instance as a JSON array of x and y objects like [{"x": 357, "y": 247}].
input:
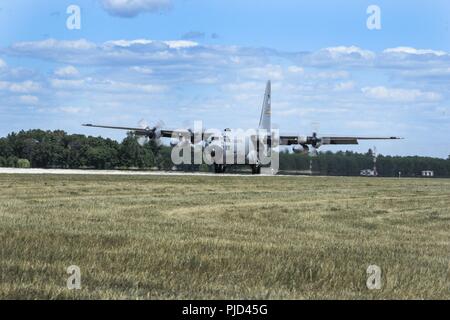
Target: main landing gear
[
  {"x": 256, "y": 169},
  {"x": 219, "y": 168}
]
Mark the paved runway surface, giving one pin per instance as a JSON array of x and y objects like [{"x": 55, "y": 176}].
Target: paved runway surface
[{"x": 115, "y": 172}]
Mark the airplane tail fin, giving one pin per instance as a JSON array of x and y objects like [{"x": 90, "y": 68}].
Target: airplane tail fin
[{"x": 266, "y": 112}]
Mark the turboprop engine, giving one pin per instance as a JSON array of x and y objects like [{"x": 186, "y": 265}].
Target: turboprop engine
[{"x": 303, "y": 149}]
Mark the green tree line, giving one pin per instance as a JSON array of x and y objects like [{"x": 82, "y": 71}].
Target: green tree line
[
  {"x": 57, "y": 149},
  {"x": 351, "y": 163}
]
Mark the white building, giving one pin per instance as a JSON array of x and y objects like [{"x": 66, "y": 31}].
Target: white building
[{"x": 427, "y": 173}]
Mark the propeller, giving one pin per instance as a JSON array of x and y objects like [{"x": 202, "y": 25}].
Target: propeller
[
  {"x": 314, "y": 140},
  {"x": 142, "y": 140},
  {"x": 153, "y": 133}
]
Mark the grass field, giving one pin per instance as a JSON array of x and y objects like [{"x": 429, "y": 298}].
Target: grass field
[{"x": 164, "y": 237}]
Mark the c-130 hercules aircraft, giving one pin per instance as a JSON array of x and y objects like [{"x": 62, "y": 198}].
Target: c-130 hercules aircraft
[{"x": 249, "y": 147}]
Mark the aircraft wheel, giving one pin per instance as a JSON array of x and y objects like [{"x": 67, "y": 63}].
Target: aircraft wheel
[
  {"x": 256, "y": 169},
  {"x": 219, "y": 168}
]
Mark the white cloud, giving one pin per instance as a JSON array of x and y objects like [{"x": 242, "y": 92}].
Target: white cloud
[
  {"x": 244, "y": 86},
  {"x": 132, "y": 8},
  {"x": 342, "y": 51},
  {"x": 208, "y": 80},
  {"x": 24, "y": 87},
  {"x": 132, "y": 52},
  {"x": 178, "y": 44},
  {"x": 105, "y": 85},
  {"x": 53, "y": 44},
  {"x": 340, "y": 55},
  {"x": 70, "y": 110},
  {"x": 296, "y": 69},
  {"x": 67, "y": 84},
  {"x": 400, "y": 95},
  {"x": 431, "y": 73},
  {"x": 329, "y": 75},
  {"x": 408, "y": 58},
  {"x": 67, "y": 72},
  {"x": 142, "y": 70},
  {"x": 28, "y": 99},
  {"x": 267, "y": 72},
  {"x": 20, "y": 87},
  {"x": 344, "y": 86},
  {"x": 171, "y": 44},
  {"x": 414, "y": 51},
  {"x": 150, "y": 53},
  {"x": 2, "y": 64}
]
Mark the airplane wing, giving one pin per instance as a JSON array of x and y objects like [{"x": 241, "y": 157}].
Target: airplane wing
[
  {"x": 314, "y": 140},
  {"x": 137, "y": 131},
  {"x": 155, "y": 133}
]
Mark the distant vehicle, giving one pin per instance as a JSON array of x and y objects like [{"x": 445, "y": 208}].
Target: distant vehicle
[
  {"x": 301, "y": 144},
  {"x": 368, "y": 173}
]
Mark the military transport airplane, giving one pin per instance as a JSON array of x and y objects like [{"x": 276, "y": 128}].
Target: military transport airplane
[{"x": 249, "y": 147}]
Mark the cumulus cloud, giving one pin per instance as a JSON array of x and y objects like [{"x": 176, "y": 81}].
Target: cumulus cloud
[
  {"x": 296, "y": 69},
  {"x": 20, "y": 87},
  {"x": 342, "y": 51},
  {"x": 414, "y": 51},
  {"x": 142, "y": 70},
  {"x": 428, "y": 74},
  {"x": 29, "y": 99},
  {"x": 105, "y": 85},
  {"x": 73, "y": 110},
  {"x": 136, "y": 52},
  {"x": 413, "y": 59},
  {"x": 132, "y": 8},
  {"x": 122, "y": 52},
  {"x": 400, "y": 95},
  {"x": 67, "y": 72},
  {"x": 329, "y": 75},
  {"x": 344, "y": 86},
  {"x": 171, "y": 44},
  {"x": 53, "y": 44},
  {"x": 342, "y": 55},
  {"x": 140, "y": 52},
  {"x": 274, "y": 72}
]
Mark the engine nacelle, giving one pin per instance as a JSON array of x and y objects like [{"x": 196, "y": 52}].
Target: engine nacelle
[
  {"x": 302, "y": 140},
  {"x": 303, "y": 149},
  {"x": 174, "y": 142},
  {"x": 157, "y": 134}
]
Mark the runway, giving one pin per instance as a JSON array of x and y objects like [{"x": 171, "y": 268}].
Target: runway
[{"x": 265, "y": 173}]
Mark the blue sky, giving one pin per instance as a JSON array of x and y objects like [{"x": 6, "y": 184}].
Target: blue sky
[{"x": 186, "y": 60}]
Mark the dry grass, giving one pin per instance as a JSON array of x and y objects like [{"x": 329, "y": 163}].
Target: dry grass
[{"x": 223, "y": 237}]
